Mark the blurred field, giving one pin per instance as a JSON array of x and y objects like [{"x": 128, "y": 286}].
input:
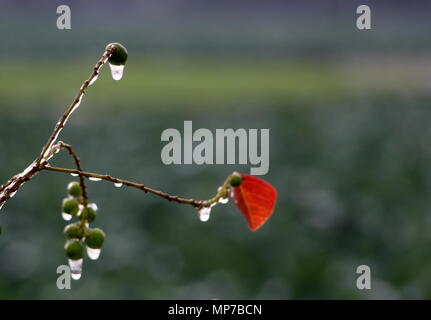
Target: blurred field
[
  {"x": 352, "y": 177},
  {"x": 205, "y": 81}
]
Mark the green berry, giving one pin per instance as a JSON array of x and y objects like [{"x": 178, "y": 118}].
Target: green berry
[
  {"x": 74, "y": 250},
  {"x": 95, "y": 238},
  {"x": 74, "y": 189},
  {"x": 70, "y": 206},
  {"x": 235, "y": 180},
  {"x": 120, "y": 54},
  {"x": 89, "y": 212},
  {"x": 72, "y": 231}
]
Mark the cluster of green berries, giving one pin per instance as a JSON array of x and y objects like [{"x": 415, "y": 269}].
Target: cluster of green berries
[{"x": 79, "y": 233}]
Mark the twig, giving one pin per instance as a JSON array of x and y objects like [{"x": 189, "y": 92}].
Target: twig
[
  {"x": 62, "y": 121},
  {"x": 75, "y": 157},
  {"x": 167, "y": 196}
]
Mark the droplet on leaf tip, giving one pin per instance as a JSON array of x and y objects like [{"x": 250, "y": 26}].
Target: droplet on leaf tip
[{"x": 93, "y": 254}]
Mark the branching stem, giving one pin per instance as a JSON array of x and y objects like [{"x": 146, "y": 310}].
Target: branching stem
[
  {"x": 75, "y": 157},
  {"x": 9, "y": 189}
]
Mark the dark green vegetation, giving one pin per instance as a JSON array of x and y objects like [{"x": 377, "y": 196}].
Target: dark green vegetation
[{"x": 353, "y": 182}]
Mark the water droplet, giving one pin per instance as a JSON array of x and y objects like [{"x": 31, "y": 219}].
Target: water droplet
[
  {"x": 66, "y": 216},
  {"x": 74, "y": 174},
  {"x": 118, "y": 184},
  {"x": 94, "y": 179},
  {"x": 76, "y": 276},
  {"x": 75, "y": 268},
  {"x": 116, "y": 71},
  {"x": 93, "y": 80},
  {"x": 204, "y": 213},
  {"x": 223, "y": 200},
  {"x": 93, "y": 254},
  {"x": 93, "y": 206}
]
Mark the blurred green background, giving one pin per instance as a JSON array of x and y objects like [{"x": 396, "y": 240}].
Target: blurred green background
[{"x": 348, "y": 113}]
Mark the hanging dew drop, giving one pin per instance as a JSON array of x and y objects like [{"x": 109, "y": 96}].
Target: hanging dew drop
[
  {"x": 76, "y": 276},
  {"x": 95, "y": 179},
  {"x": 75, "y": 268},
  {"x": 116, "y": 71},
  {"x": 204, "y": 214},
  {"x": 78, "y": 102},
  {"x": 93, "y": 254},
  {"x": 118, "y": 184},
  {"x": 74, "y": 174},
  {"x": 66, "y": 216}
]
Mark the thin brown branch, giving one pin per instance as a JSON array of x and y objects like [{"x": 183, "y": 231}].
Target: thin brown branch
[
  {"x": 140, "y": 186},
  {"x": 63, "y": 119},
  {"x": 9, "y": 189}
]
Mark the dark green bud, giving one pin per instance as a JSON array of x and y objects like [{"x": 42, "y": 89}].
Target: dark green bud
[
  {"x": 235, "y": 180},
  {"x": 72, "y": 231},
  {"x": 74, "y": 189},
  {"x": 74, "y": 249},
  {"x": 89, "y": 212},
  {"x": 95, "y": 238},
  {"x": 70, "y": 206},
  {"x": 120, "y": 54}
]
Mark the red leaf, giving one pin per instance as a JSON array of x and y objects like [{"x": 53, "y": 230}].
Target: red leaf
[{"x": 255, "y": 199}]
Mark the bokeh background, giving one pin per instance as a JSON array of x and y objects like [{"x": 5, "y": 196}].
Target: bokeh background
[{"x": 350, "y": 153}]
